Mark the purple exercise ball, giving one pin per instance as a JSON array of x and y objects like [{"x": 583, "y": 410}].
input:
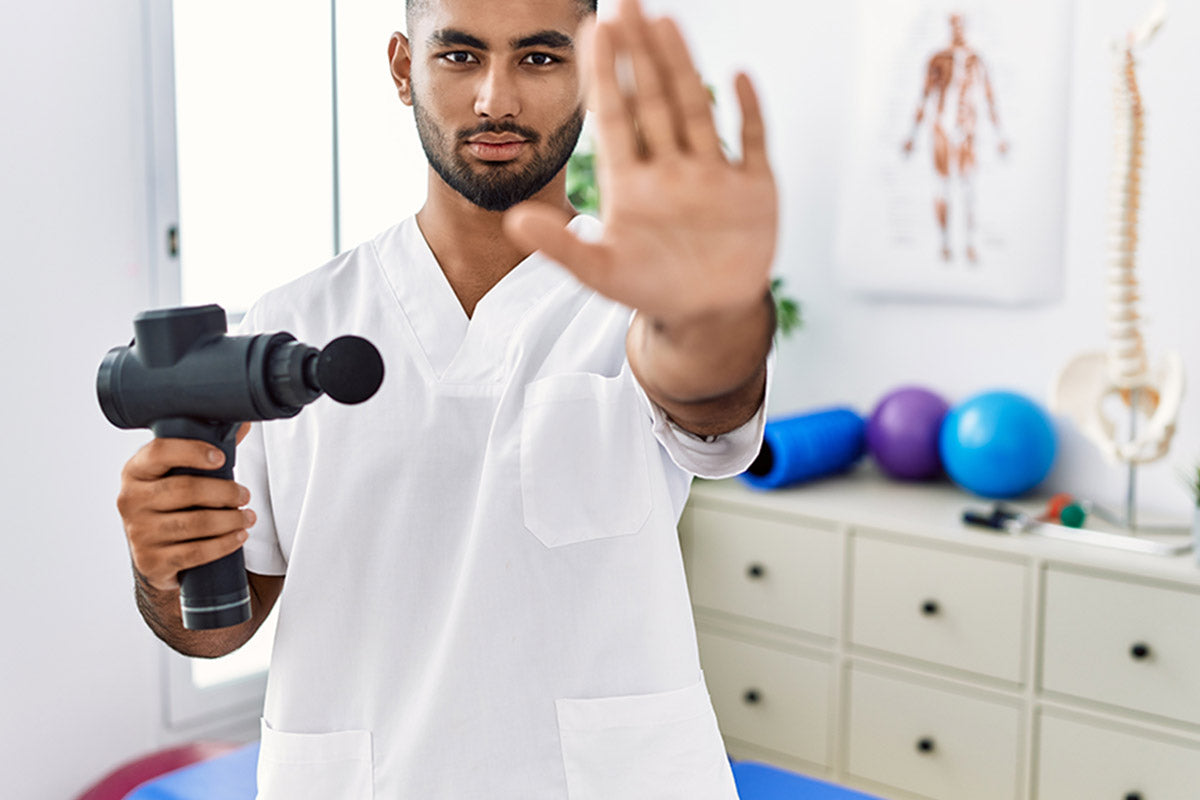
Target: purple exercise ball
[{"x": 902, "y": 433}]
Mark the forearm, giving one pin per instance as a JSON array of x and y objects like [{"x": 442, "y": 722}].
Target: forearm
[
  {"x": 708, "y": 374},
  {"x": 160, "y": 609}
]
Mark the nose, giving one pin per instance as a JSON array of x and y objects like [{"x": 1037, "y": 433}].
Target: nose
[{"x": 497, "y": 94}]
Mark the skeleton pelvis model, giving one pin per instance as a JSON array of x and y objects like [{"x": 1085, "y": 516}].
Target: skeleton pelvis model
[
  {"x": 1087, "y": 395},
  {"x": 1095, "y": 387}
]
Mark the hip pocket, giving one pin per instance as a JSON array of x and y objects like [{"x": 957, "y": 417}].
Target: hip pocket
[
  {"x": 662, "y": 746},
  {"x": 315, "y": 766},
  {"x": 584, "y": 467}
]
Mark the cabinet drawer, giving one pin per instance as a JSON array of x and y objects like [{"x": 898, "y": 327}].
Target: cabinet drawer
[
  {"x": 932, "y": 742},
  {"x": 769, "y": 698},
  {"x": 1083, "y": 760},
  {"x": 1124, "y": 644},
  {"x": 781, "y": 573},
  {"x": 959, "y": 610}
]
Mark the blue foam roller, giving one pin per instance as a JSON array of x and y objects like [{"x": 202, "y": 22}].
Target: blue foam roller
[{"x": 807, "y": 446}]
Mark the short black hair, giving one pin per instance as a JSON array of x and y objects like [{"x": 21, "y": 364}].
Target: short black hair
[{"x": 414, "y": 7}]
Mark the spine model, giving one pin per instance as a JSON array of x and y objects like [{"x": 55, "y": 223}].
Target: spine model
[
  {"x": 1127, "y": 365},
  {"x": 1148, "y": 398}
]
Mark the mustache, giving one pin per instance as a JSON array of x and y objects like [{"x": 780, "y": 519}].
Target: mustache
[{"x": 501, "y": 127}]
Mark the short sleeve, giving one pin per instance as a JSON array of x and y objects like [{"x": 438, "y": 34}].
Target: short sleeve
[
  {"x": 715, "y": 456},
  {"x": 262, "y": 551}
]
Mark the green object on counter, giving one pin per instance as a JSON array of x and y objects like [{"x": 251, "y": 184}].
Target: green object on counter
[{"x": 1073, "y": 516}]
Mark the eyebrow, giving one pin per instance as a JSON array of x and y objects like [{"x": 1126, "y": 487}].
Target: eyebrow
[
  {"x": 451, "y": 37},
  {"x": 548, "y": 38},
  {"x": 448, "y": 37}
]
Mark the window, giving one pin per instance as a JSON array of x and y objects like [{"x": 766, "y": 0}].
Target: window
[
  {"x": 254, "y": 138},
  {"x": 277, "y": 140},
  {"x": 290, "y": 143}
]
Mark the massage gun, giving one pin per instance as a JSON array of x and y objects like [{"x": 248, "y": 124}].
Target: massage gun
[{"x": 183, "y": 377}]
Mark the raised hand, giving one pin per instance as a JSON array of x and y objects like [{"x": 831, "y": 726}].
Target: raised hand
[{"x": 688, "y": 232}]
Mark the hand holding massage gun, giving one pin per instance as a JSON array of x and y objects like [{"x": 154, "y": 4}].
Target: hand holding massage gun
[{"x": 183, "y": 377}]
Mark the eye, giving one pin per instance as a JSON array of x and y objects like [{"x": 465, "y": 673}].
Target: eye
[
  {"x": 539, "y": 59},
  {"x": 459, "y": 57}
]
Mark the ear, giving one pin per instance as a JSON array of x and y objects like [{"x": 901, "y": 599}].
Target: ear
[{"x": 400, "y": 58}]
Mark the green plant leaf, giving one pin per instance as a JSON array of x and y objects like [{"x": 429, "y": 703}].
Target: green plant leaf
[
  {"x": 1191, "y": 479},
  {"x": 787, "y": 309},
  {"x": 582, "y": 190}
]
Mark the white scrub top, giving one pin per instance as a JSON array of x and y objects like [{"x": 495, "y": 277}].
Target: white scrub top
[{"x": 485, "y": 596}]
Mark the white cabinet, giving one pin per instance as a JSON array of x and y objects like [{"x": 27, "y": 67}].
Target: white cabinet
[
  {"x": 933, "y": 741},
  {"x": 948, "y": 608},
  {"x": 1083, "y": 759},
  {"x": 771, "y": 698},
  {"x": 855, "y": 630},
  {"x": 766, "y": 570},
  {"x": 1126, "y": 644}
]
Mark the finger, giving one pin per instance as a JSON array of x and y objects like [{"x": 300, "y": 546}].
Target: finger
[
  {"x": 160, "y": 456},
  {"x": 542, "y": 227},
  {"x": 650, "y": 103},
  {"x": 162, "y": 566},
  {"x": 615, "y": 135},
  {"x": 698, "y": 128},
  {"x": 754, "y": 130},
  {"x": 157, "y": 530},
  {"x": 243, "y": 432},
  {"x": 180, "y": 492}
]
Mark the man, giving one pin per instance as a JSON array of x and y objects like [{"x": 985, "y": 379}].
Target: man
[
  {"x": 955, "y": 77},
  {"x": 484, "y": 593}
]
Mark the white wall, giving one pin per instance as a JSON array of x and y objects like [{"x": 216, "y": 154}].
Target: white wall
[
  {"x": 854, "y": 350},
  {"x": 79, "y": 680}
]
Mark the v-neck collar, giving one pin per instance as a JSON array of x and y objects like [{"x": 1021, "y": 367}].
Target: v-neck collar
[{"x": 458, "y": 349}]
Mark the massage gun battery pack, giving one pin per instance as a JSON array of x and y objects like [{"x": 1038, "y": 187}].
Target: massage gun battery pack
[{"x": 182, "y": 376}]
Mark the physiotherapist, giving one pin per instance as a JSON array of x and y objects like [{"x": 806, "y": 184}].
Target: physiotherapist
[{"x": 479, "y": 581}]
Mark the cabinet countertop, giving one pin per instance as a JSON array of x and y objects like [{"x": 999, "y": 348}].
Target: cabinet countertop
[{"x": 864, "y": 499}]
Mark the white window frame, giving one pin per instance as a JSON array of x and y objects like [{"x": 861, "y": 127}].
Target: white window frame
[
  {"x": 185, "y": 705},
  {"x": 374, "y": 202}
]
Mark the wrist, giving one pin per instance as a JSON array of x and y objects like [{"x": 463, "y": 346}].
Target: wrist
[{"x": 702, "y": 359}]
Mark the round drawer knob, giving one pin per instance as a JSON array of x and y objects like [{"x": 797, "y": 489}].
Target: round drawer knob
[
  {"x": 1140, "y": 651},
  {"x": 755, "y": 571},
  {"x": 752, "y": 697},
  {"x": 926, "y": 745},
  {"x": 1133, "y": 796},
  {"x": 930, "y": 608}
]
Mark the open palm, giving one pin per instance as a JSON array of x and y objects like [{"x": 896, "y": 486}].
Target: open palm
[{"x": 687, "y": 231}]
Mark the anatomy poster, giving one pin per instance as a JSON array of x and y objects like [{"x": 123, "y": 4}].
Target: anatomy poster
[{"x": 955, "y": 169}]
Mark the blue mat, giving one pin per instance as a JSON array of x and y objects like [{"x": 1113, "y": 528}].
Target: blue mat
[
  {"x": 227, "y": 777},
  {"x": 760, "y": 782},
  {"x": 232, "y": 777}
]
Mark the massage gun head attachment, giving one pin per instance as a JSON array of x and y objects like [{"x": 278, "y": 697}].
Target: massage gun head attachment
[{"x": 181, "y": 363}]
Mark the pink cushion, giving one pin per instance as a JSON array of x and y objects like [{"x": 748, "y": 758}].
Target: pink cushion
[{"x": 127, "y": 777}]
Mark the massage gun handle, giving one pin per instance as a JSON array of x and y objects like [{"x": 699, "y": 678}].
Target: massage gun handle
[{"x": 213, "y": 595}]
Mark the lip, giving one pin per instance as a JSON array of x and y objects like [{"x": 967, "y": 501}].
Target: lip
[
  {"x": 496, "y": 138},
  {"x": 496, "y": 148}
]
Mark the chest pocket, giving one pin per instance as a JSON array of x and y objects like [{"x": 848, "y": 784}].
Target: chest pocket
[{"x": 584, "y": 463}]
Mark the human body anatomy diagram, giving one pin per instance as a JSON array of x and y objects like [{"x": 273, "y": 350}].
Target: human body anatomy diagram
[{"x": 956, "y": 88}]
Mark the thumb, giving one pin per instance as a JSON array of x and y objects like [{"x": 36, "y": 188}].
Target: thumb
[{"x": 540, "y": 226}]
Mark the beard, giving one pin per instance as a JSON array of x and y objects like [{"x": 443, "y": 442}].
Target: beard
[{"x": 496, "y": 186}]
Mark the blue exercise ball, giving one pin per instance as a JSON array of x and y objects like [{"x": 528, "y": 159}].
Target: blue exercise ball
[{"x": 998, "y": 444}]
